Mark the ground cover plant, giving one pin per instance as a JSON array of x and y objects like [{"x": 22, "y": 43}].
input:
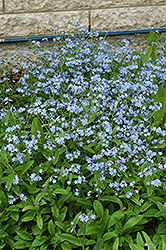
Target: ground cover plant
[{"x": 82, "y": 147}]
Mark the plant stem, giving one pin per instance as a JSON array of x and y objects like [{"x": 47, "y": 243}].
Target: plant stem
[
  {"x": 9, "y": 167},
  {"x": 84, "y": 236},
  {"x": 79, "y": 240}
]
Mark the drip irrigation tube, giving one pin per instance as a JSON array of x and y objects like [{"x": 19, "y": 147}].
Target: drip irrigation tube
[{"x": 25, "y": 39}]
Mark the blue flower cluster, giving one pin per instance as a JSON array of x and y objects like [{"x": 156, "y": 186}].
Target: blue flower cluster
[{"x": 96, "y": 108}]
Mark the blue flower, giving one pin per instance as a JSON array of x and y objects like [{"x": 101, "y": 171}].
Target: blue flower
[
  {"x": 73, "y": 227},
  {"x": 93, "y": 216},
  {"x": 76, "y": 192},
  {"x": 15, "y": 180},
  {"x": 129, "y": 194},
  {"x": 23, "y": 197},
  {"x": 54, "y": 28},
  {"x": 156, "y": 183},
  {"x": 141, "y": 201},
  {"x": 12, "y": 200},
  {"x": 25, "y": 51}
]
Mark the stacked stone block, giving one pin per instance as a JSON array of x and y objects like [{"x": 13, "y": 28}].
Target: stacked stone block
[{"x": 25, "y": 18}]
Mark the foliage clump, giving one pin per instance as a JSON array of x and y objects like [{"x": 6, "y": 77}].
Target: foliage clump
[{"x": 82, "y": 147}]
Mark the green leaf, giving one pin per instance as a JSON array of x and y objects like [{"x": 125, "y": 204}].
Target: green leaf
[
  {"x": 3, "y": 153},
  {"x": 155, "y": 199},
  {"x": 33, "y": 190},
  {"x": 70, "y": 238},
  {"x": 160, "y": 206},
  {"x": 98, "y": 182},
  {"x": 36, "y": 126},
  {"x": 29, "y": 207},
  {"x": 90, "y": 150},
  {"x": 163, "y": 244},
  {"x": 114, "y": 131},
  {"x": 51, "y": 228},
  {"x": 82, "y": 201},
  {"x": 61, "y": 135},
  {"x": 14, "y": 215},
  {"x": 140, "y": 241},
  {"x": 152, "y": 37},
  {"x": 140, "y": 62},
  {"x": 163, "y": 35},
  {"x": 60, "y": 225},
  {"x": 2, "y": 134},
  {"x": 28, "y": 218},
  {"x": 39, "y": 221},
  {"x": 105, "y": 219},
  {"x": 24, "y": 235},
  {"x": 26, "y": 167},
  {"x": 56, "y": 156},
  {"x": 98, "y": 208},
  {"x": 116, "y": 141},
  {"x": 92, "y": 229},
  {"x": 116, "y": 244},
  {"x": 2, "y": 245},
  {"x": 2, "y": 234},
  {"x": 161, "y": 98},
  {"x": 128, "y": 238},
  {"x": 54, "y": 241},
  {"x": 148, "y": 241},
  {"x": 132, "y": 222},
  {"x": 116, "y": 216},
  {"x": 90, "y": 242},
  {"x": 150, "y": 212},
  {"x": 10, "y": 242},
  {"x": 55, "y": 211},
  {"x": 98, "y": 144},
  {"x": 156, "y": 239},
  {"x": 109, "y": 235},
  {"x": 8, "y": 115},
  {"x": 22, "y": 244},
  {"x": 39, "y": 196},
  {"x": 99, "y": 245},
  {"x": 3, "y": 200},
  {"x": 86, "y": 109},
  {"x": 135, "y": 247},
  {"x": 44, "y": 247},
  {"x": 136, "y": 201},
  {"x": 113, "y": 199},
  {"x": 9, "y": 181},
  {"x": 92, "y": 119},
  {"x": 62, "y": 150},
  {"x": 160, "y": 213},
  {"x": 66, "y": 246},
  {"x": 39, "y": 241},
  {"x": 145, "y": 206},
  {"x": 63, "y": 214},
  {"x": 148, "y": 53},
  {"x": 162, "y": 228},
  {"x": 63, "y": 198},
  {"x": 60, "y": 191},
  {"x": 153, "y": 55}
]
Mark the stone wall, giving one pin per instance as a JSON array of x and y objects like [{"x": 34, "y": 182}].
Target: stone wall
[
  {"x": 23, "y": 18},
  {"x": 30, "y": 18}
]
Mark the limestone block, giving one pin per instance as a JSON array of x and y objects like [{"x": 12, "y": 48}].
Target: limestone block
[
  {"x": 135, "y": 18},
  {"x": 158, "y": 2},
  {"x": 40, "y": 24},
  {"x": 1, "y": 6},
  {"x": 13, "y": 6},
  {"x": 124, "y": 3}
]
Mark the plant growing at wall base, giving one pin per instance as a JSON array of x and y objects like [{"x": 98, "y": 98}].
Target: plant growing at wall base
[{"x": 82, "y": 158}]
